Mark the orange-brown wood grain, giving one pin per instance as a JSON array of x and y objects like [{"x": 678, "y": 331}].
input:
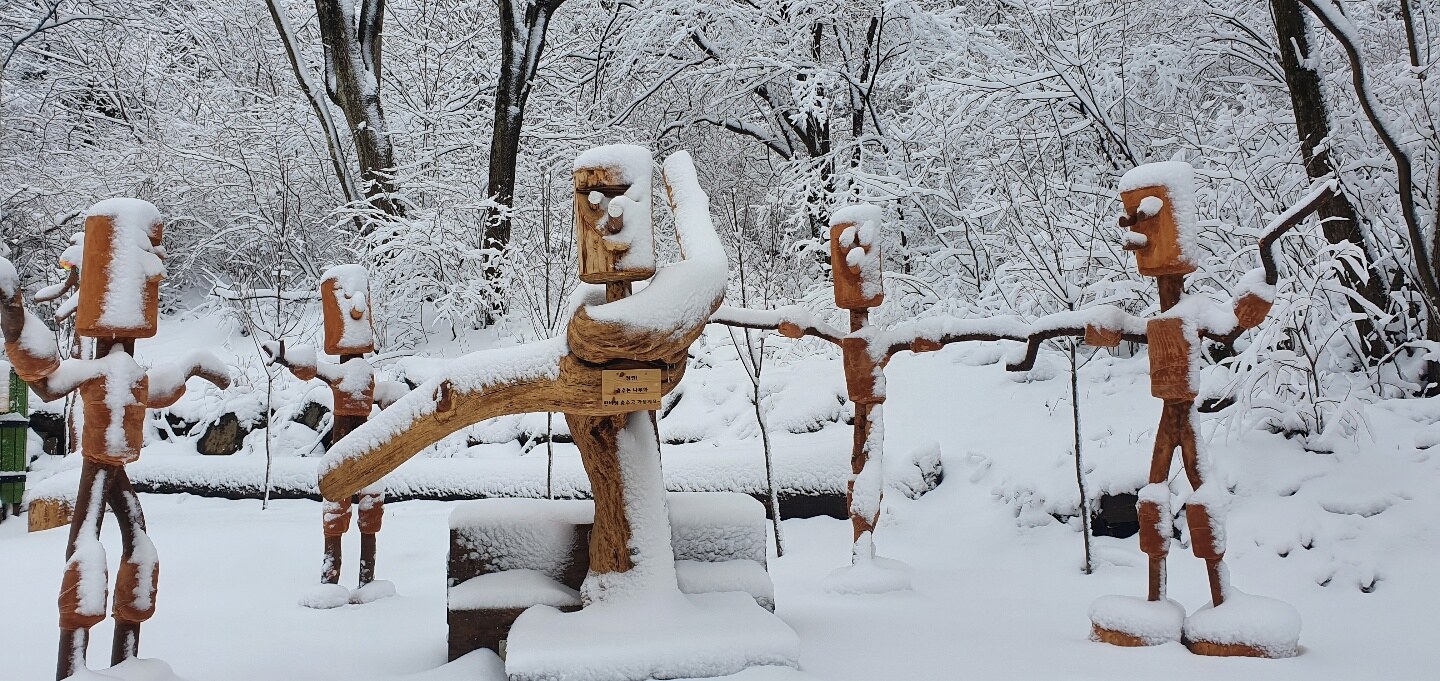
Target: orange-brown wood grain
[
  {"x": 1161, "y": 253},
  {"x": 849, "y": 285}
]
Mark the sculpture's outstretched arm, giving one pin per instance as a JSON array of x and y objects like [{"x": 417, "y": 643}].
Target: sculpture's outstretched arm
[
  {"x": 1106, "y": 325},
  {"x": 476, "y": 387},
  {"x": 29, "y": 344},
  {"x": 792, "y": 321},
  {"x": 167, "y": 381},
  {"x": 655, "y": 325}
]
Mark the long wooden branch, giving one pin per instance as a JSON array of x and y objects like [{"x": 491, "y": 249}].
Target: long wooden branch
[
  {"x": 440, "y": 407},
  {"x": 1293, "y": 216},
  {"x": 791, "y": 321}
]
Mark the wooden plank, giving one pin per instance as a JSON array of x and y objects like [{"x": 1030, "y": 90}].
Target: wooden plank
[{"x": 49, "y": 513}]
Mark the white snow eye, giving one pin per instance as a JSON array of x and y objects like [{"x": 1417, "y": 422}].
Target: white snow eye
[
  {"x": 349, "y": 295},
  {"x": 596, "y": 198},
  {"x": 617, "y": 208}
]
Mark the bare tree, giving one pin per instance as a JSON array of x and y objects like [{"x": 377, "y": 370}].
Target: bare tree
[
  {"x": 1339, "y": 220},
  {"x": 352, "y": 82},
  {"x": 1420, "y": 221},
  {"x": 26, "y": 20},
  {"x": 523, "y": 27}
]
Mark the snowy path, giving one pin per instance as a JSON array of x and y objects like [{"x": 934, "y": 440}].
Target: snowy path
[{"x": 997, "y": 595}]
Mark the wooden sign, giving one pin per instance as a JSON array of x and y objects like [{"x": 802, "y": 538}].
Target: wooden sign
[{"x": 631, "y": 389}]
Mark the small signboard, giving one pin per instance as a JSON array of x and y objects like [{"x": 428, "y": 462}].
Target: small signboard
[{"x": 632, "y": 389}]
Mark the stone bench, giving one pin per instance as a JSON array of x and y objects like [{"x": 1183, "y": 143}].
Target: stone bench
[{"x": 507, "y": 555}]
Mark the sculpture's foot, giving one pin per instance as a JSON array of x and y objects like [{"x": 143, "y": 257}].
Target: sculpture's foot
[
  {"x": 1131, "y": 621},
  {"x": 681, "y": 636},
  {"x": 374, "y": 591},
  {"x": 325, "y": 596},
  {"x": 1244, "y": 625},
  {"x": 132, "y": 669},
  {"x": 874, "y": 575}
]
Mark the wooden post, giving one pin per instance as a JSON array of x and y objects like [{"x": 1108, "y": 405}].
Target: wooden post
[{"x": 616, "y": 249}]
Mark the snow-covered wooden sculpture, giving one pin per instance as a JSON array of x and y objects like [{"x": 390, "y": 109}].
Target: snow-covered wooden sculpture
[
  {"x": 855, "y": 259},
  {"x": 1160, "y": 223},
  {"x": 856, "y": 264},
  {"x": 607, "y": 374},
  {"x": 349, "y": 334},
  {"x": 1160, "y": 228},
  {"x": 121, "y": 265}
]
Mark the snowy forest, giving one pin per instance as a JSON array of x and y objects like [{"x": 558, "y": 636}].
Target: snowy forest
[{"x": 439, "y": 145}]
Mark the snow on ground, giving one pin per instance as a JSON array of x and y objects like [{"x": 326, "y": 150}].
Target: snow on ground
[{"x": 1347, "y": 538}]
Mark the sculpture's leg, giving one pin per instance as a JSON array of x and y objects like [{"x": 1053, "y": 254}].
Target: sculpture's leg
[
  {"x": 596, "y": 438},
  {"x": 631, "y": 535},
  {"x": 335, "y": 522},
  {"x": 1235, "y": 624},
  {"x": 371, "y": 511},
  {"x": 1205, "y": 542},
  {"x": 139, "y": 577},
  {"x": 1127, "y": 620},
  {"x": 80, "y": 608},
  {"x": 1154, "y": 540},
  {"x": 860, "y": 522}
]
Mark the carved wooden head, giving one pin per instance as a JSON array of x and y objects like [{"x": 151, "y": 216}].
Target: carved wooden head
[
  {"x": 613, "y": 214},
  {"x": 120, "y": 270},
  {"x": 1160, "y": 215},
  {"x": 345, "y": 302},
  {"x": 855, "y": 257}
]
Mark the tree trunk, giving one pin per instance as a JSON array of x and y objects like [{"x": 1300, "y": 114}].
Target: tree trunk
[
  {"x": 1312, "y": 125},
  {"x": 523, "y": 26},
  {"x": 352, "y": 80}
]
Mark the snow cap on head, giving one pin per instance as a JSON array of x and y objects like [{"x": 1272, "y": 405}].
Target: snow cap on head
[
  {"x": 1162, "y": 198},
  {"x": 855, "y": 256},
  {"x": 9, "y": 279},
  {"x": 345, "y": 301},
  {"x": 121, "y": 269},
  {"x": 613, "y": 214}
]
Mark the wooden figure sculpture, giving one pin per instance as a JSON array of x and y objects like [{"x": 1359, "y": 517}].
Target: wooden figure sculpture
[
  {"x": 119, "y": 276},
  {"x": 349, "y": 334},
  {"x": 856, "y": 263},
  {"x": 1160, "y": 224},
  {"x": 618, "y": 357},
  {"x": 1160, "y": 228}
]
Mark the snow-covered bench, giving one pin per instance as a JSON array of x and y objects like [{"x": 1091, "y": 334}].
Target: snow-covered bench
[{"x": 507, "y": 555}]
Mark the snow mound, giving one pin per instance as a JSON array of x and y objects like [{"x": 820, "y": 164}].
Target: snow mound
[
  {"x": 1153, "y": 622},
  {"x": 869, "y": 576},
  {"x": 325, "y": 596},
  {"x": 661, "y": 637},
  {"x": 134, "y": 669},
  {"x": 1265, "y": 623},
  {"x": 374, "y": 591},
  {"x": 479, "y": 665}
]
